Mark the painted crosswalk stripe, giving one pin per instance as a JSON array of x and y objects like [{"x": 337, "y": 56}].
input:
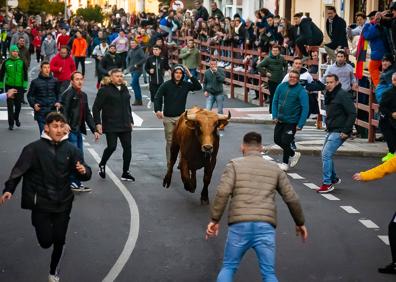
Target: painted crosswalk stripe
[
  {"x": 268, "y": 158},
  {"x": 330, "y": 197},
  {"x": 148, "y": 129},
  {"x": 368, "y": 223},
  {"x": 137, "y": 120},
  {"x": 384, "y": 238},
  {"x": 295, "y": 176},
  {"x": 312, "y": 186},
  {"x": 86, "y": 144},
  {"x": 349, "y": 209}
]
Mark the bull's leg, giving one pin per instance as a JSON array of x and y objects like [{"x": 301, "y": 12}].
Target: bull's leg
[
  {"x": 185, "y": 174},
  {"x": 208, "y": 171},
  {"x": 193, "y": 181},
  {"x": 173, "y": 158}
]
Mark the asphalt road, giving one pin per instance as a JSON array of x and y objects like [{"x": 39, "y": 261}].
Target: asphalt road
[{"x": 171, "y": 222}]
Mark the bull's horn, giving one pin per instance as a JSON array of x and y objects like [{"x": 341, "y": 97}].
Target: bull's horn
[
  {"x": 225, "y": 117},
  {"x": 191, "y": 117}
]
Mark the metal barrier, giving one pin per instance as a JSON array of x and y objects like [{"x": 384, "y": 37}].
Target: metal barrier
[{"x": 248, "y": 80}]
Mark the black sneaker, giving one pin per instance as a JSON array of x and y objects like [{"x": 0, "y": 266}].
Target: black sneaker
[
  {"x": 389, "y": 269},
  {"x": 11, "y": 127},
  {"x": 17, "y": 123},
  {"x": 126, "y": 176},
  {"x": 102, "y": 171}
]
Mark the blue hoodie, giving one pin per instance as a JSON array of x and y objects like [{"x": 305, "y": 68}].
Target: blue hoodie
[
  {"x": 290, "y": 104},
  {"x": 377, "y": 40}
]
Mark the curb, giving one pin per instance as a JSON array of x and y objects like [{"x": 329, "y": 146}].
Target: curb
[
  {"x": 345, "y": 153},
  {"x": 262, "y": 121}
]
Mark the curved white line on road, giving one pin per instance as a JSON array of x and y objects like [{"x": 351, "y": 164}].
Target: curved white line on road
[{"x": 133, "y": 224}]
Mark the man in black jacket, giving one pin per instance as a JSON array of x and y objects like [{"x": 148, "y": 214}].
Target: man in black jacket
[
  {"x": 43, "y": 95},
  {"x": 155, "y": 66},
  {"x": 45, "y": 166},
  {"x": 112, "y": 114},
  {"x": 77, "y": 113},
  {"x": 172, "y": 94},
  {"x": 307, "y": 33},
  {"x": 336, "y": 29},
  {"x": 340, "y": 117},
  {"x": 110, "y": 61}
]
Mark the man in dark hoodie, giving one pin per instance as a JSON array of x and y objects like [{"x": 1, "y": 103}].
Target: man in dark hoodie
[
  {"x": 110, "y": 61},
  {"x": 45, "y": 166},
  {"x": 336, "y": 30},
  {"x": 172, "y": 97},
  {"x": 43, "y": 95},
  {"x": 307, "y": 33}
]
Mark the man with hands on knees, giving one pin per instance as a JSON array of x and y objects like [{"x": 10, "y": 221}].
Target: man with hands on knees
[
  {"x": 252, "y": 183},
  {"x": 46, "y": 166}
]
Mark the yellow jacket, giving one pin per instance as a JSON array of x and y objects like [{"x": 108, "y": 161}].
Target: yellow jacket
[{"x": 380, "y": 171}]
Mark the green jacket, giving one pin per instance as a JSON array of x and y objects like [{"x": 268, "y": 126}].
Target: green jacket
[
  {"x": 213, "y": 81},
  {"x": 276, "y": 66},
  {"x": 190, "y": 57},
  {"x": 14, "y": 73}
]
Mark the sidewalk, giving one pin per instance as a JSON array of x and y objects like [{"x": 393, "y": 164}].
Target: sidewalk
[{"x": 310, "y": 140}]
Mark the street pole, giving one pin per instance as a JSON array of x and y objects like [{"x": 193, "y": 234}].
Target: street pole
[{"x": 65, "y": 10}]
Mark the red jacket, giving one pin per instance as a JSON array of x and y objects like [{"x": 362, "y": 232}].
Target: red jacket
[
  {"x": 37, "y": 42},
  {"x": 62, "y": 40},
  {"x": 62, "y": 68}
]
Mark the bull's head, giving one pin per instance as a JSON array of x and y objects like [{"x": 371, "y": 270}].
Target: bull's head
[{"x": 206, "y": 124}]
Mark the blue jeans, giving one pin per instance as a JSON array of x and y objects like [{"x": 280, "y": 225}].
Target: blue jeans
[
  {"x": 241, "y": 237},
  {"x": 193, "y": 72},
  {"x": 136, "y": 86},
  {"x": 332, "y": 142},
  {"x": 211, "y": 99},
  {"x": 40, "y": 118},
  {"x": 76, "y": 139}
]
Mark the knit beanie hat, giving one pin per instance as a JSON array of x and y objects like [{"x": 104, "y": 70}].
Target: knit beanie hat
[{"x": 14, "y": 48}]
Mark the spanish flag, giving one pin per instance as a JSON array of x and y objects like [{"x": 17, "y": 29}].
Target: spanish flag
[{"x": 361, "y": 54}]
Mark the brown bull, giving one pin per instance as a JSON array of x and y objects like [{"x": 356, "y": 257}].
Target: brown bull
[{"x": 196, "y": 137}]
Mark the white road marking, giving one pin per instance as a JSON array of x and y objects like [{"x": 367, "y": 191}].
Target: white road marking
[
  {"x": 133, "y": 224},
  {"x": 295, "y": 176},
  {"x": 268, "y": 158},
  {"x": 137, "y": 119},
  {"x": 148, "y": 129},
  {"x": 368, "y": 223},
  {"x": 3, "y": 115},
  {"x": 384, "y": 238},
  {"x": 312, "y": 186},
  {"x": 23, "y": 108},
  {"x": 87, "y": 144},
  {"x": 349, "y": 209},
  {"x": 330, "y": 197}
]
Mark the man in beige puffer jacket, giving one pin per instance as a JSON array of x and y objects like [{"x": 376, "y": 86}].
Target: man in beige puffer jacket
[{"x": 252, "y": 183}]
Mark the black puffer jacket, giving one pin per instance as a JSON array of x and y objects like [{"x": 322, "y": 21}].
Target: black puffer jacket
[
  {"x": 337, "y": 33},
  {"x": 46, "y": 167},
  {"x": 108, "y": 62},
  {"x": 74, "y": 104},
  {"x": 112, "y": 109},
  {"x": 340, "y": 110},
  {"x": 43, "y": 91}
]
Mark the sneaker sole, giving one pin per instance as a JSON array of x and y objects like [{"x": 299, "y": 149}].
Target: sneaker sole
[
  {"x": 327, "y": 191},
  {"x": 85, "y": 190},
  {"x": 127, "y": 179}
]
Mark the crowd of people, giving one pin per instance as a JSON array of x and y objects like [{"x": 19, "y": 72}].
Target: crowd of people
[{"x": 140, "y": 45}]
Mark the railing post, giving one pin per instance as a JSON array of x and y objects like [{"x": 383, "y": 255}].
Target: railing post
[
  {"x": 232, "y": 73},
  {"x": 372, "y": 128}
]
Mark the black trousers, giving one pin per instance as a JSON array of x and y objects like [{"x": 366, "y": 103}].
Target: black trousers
[
  {"x": 389, "y": 133},
  {"x": 126, "y": 143},
  {"x": 51, "y": 230},
  {"x": 14, "y": 105},
  {"x": 283, "y": 137},
  {"x": 80, "y": 60},
  {"x": 153, "y": 90},
  {"x": 392, "y": 237},
  {"x": 271, "y": 87}
]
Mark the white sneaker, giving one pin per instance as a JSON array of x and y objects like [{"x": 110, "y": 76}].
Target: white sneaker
[
  {"x": 294, "y": 160},
  {"x": 283, "y": 166},
  {"x": 53, "y": 278},
  {"x": 149, "y": 105}
]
